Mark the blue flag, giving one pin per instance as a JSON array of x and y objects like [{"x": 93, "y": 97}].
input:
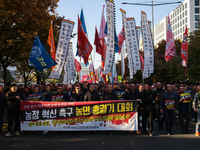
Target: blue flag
[
  {"x": 116, "y": 40},
  {"x": 82, "y": 19},
  {"x": 40, "y": 57}
]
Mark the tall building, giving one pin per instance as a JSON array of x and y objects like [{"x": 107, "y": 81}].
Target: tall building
[{"x": 186, "y": 14}]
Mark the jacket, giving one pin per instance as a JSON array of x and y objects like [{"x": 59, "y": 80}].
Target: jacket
[
  {"x": 2, "y": 101},
  {"x": 77, "y": 98},
  {"x": 129, "y": 95},
  {"x": 147, "y": 100},
  {"x": 13, "y": 104},
  {"x": 110, "y": 96},
  {"x": 169, "y": 101},
  {"x": 158, "y": 94},
  {"x": 92, "y": 96}
]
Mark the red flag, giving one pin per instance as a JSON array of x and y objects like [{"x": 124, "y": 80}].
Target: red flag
[
  {"x": 51, "y": 43},
  {"x": 77, "y": 65},
  {"x": 184, "y": 50},
  {"x": 84, "y": 46},
  {"x": 97, "y": 42},
  {"x": 142, "y": 61},
  {"x": 121, "y": 39}
]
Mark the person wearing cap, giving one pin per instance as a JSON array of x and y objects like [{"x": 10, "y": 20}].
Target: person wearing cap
[
  {"x": 35, "y": 96},
  {"x": 91, "y": 95},
  {"x": 196, "y": 107},
  {"x": 69, "y": 90},
  {"x": 2, "y": 106},
  {"x": 184, "y": 109},
  {"x": 147, "y": 108},
  {"x": 77, "y": 96},
  {"x": 13, "y": 98},
  {"x": 47, "y": 94},
  {"x": 109, "y": 95},
  {"x": 157, "y": 97},
  {"x": 60, "y": 96},
  {"x": 118, "y": 91},
  {"x": 40, "y": 89},
  {"x": 132, "y": 94},
  {"x": 20, "y": 88},
  {"x": 168, "y": 104},
  {"x": 101, "y": 92}
]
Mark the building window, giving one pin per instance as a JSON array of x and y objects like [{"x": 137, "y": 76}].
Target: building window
[
  {"x": 171, "y": 17},
  {"x": 186, "y": 13},
  {"x": 180, "y": 23},
  {"x": 183, "y": 22},
  {"x": 196, "y": 10},
  {"x": 176, "y": 33},
  {"x": 183, "y": 29},
  {"x": 180, "y": 10},
  {"x": 183, "y": 14},
  {"x": 186, "y": 20},
  {"x": 197, "y": 25},
  {"x": 173, "y": 21},
  {"x": 175, "y": 13},
  {"x": 180, "y": 30},
  {"x": 196, "y": 17},
  {"x": 185, "y": 5},
  {"x": 173, "y": 28},
  {"x": 180, "y": 16},
  {"x": 196, "y": 2},
  {"x": 176, "y": 26}
]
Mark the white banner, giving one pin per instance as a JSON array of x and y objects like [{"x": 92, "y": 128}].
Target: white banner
[
  {"x": 147, "y": 47},
  {"x": 69, "y": 65},
  {"x": 110, "y": 36},
  {"x": 130, "y": 66},
  {"x": 133, "y": 43},
  {"x": 122, "y": 62},
  {"x": 62, "y": 47},
  {"x": 138, "y": 34}
]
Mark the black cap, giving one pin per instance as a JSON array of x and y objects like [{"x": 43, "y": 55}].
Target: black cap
[{"x": 13, "y": 85}]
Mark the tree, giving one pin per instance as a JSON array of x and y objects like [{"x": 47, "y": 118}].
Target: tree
[
  {"x": 21, "y": 21},
  {"x": 193, "y": 68}
]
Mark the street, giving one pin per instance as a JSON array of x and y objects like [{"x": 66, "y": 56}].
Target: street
[{"x": 102, "y": 140}]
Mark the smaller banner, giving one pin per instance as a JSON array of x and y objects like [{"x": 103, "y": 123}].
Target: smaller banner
[
  {"x": 57, "y": 98},
  {"x": 110, "y": 36},
  {"x": 79, "y": 116},
  {"x": 186, "y": 97},
  {"x": 62, "y": 48},
  {"x": 122, "y": 62},
  {"x": 33, "y": 97}
]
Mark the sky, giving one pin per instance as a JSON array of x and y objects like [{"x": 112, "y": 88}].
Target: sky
[{"x": 92, "y": 10}]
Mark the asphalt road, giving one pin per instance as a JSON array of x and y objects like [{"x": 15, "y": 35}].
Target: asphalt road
[{"x": 102, "y": 140}]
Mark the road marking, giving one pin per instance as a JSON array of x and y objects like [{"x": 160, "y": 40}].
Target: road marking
[{"x": 192, "y": 123}]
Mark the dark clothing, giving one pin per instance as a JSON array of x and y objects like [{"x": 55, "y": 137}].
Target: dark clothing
[
  {"x": 2, "y": 102},
  {"x": 13, "y": 104},
  {"x": 15, "y": 116},
  {"x": 1, "y": 120},
  {"x": 184, "y": 118},
  {"x": 120, "y": 94},
  {"x": 84, "y": 91},
  {"x": 129, "y": 95},
  {"x": 6, "y": 90},
  {"x": 169, "y": 119},
  {"x": 157, "y": 95},
  {"x": 47, "y": 96},
  {"x": 60, "y": 97},
  {"x": 147, "y": 114},
  {"x": 164, "y": 104},
  {"x": 110, "y": 96},
  {"x": 92, "y": 96},
  {"x": 77, "y": 98},
  {"x": 147, "y": 100}
]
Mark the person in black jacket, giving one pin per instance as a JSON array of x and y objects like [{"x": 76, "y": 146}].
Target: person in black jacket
[
  {"x": 109, "y": 95},
  {"x": 2, "y": 106},
  {"x": 13, "y": 107},
  {"x": 77, "y": 96},
  {"x": 92, "y": 95},
  {"x": 157, "y": 96},
  {"x": 147, "y": 108},
  {"x": 168, "y": 104}
]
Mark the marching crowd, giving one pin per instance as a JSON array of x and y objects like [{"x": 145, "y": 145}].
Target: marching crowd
[{"x": 162, "y": 102}]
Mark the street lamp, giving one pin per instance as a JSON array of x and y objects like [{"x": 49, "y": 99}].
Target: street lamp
[{"x": 152, "y": 4}]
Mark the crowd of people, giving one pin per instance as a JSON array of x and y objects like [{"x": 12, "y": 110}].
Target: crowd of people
[{"x": 162, "y": 102}]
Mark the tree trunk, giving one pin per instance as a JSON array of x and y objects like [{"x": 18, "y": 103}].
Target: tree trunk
[
  {"x": 38, "y": 77},
  {"x": 5, "y": 76}
]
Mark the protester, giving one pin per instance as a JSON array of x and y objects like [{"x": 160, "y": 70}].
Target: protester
[
  {"x": 196, "y": 106},
  {"x": 2, "y": 106},
  {"x": 91, "y": 95},
  {"x": 147, "y": 109},
  {"x": 168, "y": 104},
  {"x": 77, "y": 96},
  {"x": 60, "y": 96},
  {"x": 118, "y": 91},
  {"x": 47, "y": 95},
  {"x": 157, "y": 95},
  {"x": 69, "y": 90},
  {"x": 13, "y": 108},
  {"x": 184, "y": 110},
  {"x": 109, "y": 95}
]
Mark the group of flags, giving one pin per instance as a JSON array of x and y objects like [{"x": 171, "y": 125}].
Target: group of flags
[
  {"x": 41, "y": 59},
  {"x": 170, "y": 49}
]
